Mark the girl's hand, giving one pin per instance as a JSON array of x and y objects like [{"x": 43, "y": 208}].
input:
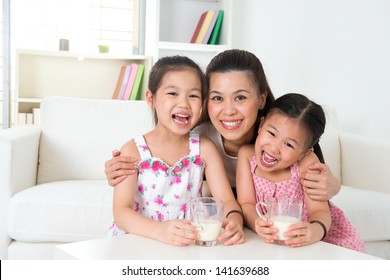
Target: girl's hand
[
  {"x": 177, "y": 232},
  {"x": 265, "y": 230},
  {"x": 233, "y": 234},
  {"x": 319, "y": 183},
  {"x": 119, "y": 167},
  {"x": 302, "y": 234}
]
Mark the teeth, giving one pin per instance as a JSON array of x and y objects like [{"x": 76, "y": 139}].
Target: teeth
[
  {"x": 268, "y": 159},
  {"x": 230, "y": 123},
  {"x": 181, "y": 118}
]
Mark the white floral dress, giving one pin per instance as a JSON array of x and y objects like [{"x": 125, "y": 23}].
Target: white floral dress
[{"x": 163, "y": 191}]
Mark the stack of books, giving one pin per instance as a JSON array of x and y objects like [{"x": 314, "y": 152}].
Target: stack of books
[
  {"x": 129, "y": 82},
  {"x": 208, "y": 29}
]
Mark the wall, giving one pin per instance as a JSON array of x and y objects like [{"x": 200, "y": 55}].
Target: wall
[{"x": 336, "y": 52}]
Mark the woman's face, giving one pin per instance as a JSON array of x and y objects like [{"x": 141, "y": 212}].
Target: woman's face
[{"x": 233, "y": 104}]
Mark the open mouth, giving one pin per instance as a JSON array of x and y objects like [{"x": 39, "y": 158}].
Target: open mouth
[
  {"x": 181, "y": 119},
  {"x": 268, "y": 160},
  {"x": 231, "y": 124}
]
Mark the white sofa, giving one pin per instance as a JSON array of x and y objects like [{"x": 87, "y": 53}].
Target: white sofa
[{"x": 53, "y": 188}]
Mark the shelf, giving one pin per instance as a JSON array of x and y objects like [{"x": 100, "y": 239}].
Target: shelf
[
  {"x": 171, "y": 24},
  {"x": 191, "y": 47},
  {"x": 55, "y": 73}
]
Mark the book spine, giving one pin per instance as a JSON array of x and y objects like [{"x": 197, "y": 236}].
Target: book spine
[
  {"x": 205, "y": 26},
  {"x": 37, "y": 115},
  {"x": 198, "y": 27},
  {"x": 130, "y": 82},
  {"x": 217, "y": 28},
  {"x": 135, "y": 92},
  {"x": 124, "y": 82},
  {"x": 211, "y": 27},
  {"x": 119, "y": 83}
]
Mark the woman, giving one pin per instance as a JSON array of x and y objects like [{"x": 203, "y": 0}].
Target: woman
[{"x": 237, "y": 97}]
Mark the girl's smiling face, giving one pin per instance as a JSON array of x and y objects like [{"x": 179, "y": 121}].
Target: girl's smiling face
[
  {"x": 281, "y": 142},
  {"x": 178, "y": 101}
]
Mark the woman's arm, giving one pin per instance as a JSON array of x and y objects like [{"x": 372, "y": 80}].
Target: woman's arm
[
  {"x": 220, "y": 189},
  {"x": 319, "y": 183},
  {"x": 175, "y": 232},
  {"x": 119, "y": 167}
]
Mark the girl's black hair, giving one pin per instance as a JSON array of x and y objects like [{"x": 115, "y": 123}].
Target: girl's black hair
[{"x": 310, "y": 115}]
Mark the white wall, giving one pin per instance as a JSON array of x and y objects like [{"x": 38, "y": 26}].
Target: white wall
[{"x": 337, "y": 52}]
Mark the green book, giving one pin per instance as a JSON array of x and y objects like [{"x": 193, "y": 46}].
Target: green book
[
  {"x": 214, "y": 38},
  {"x": 134, "y": 92}
]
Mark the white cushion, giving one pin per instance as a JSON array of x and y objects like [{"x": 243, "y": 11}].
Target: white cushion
[
  {"x": 64, "y": 211},
  {"x": 368, "y": 211},
  {"x": 78, "y": 135}
]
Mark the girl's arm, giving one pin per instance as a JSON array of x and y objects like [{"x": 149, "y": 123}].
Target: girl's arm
[
  {"x": 220, "y": 189},
  {"x": 246, "y": 196},
  {"x": 318, "y": 211},
  {"x": 175, "y": 232}
]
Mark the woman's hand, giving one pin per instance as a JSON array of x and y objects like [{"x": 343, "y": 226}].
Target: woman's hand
[
  {"x": 119, "y": 167},
  {"x": 265, "y": 230},
  {"x": 233, "y": 234},
  {"x": 302, "y": 234},
  {"x": 319, "y": 183},
  {"x": 177, "y": 232}
]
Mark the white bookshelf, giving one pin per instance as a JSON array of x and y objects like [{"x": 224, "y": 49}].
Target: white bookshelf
[
  {"x": 170, "y": 25},
  {"x": 43, "y": 73}
]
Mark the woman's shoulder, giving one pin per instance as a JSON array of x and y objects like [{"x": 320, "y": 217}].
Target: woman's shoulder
[
  {"x": 206, "y": 129},
  {"x": 246, "y": 150}
]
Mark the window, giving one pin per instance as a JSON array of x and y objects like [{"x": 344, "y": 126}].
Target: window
[{"x": 40, "y": 24}]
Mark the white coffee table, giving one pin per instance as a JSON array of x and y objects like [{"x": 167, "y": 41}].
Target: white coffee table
[{"x": 133, "y": 247}]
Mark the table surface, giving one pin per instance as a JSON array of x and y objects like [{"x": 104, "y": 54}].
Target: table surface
[{"x": 128, "y": 246}]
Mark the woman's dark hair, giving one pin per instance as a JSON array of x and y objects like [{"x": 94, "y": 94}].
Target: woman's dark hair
[
  {"x": 240, "y": 60},
  {"x": 308, "y": 113}
]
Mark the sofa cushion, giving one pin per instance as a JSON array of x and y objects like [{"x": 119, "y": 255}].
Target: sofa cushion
[
  {"x": 64, "y": 211},
  {"x": 78, "y": 135},
  {"x": 330, "y": 143},
  {"x": 369, "y": 211}
]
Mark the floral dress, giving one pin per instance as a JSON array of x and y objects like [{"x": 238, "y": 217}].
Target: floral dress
[
  {"x": 341, "y": 232},
  {"x": 163, "y": 191}
]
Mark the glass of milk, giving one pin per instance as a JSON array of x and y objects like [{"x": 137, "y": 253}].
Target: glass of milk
[
  {"x": 283, "y": 212},
  {"x": 206, "y": 214}
]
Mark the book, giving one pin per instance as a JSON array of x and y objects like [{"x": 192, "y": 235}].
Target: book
[
  {"x": 119, "y": 83},
  {"x": 135, "y": 92},
  {"x": 214, "y": 38},
  {"x": 205, "y": 26},
  {"x": 29, "y": 118},
  {"x": 211, "y": 27},
  {"x": 124, "y": 82},
  {"x": 198, "y": 26},
  {"x": 37, "y": 115},
  {"x": 22, "y": 118},
  {"x": 130, "y": 82}
]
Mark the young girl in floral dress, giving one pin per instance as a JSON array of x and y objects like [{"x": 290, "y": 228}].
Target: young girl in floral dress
[
  {"x": 172, "y": 160},
  {"x": 271, "y": 168}
]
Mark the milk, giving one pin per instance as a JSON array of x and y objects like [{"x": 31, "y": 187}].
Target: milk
[
  {"x": 208, "y": 230},
  {"x": 282, "y": 222}
]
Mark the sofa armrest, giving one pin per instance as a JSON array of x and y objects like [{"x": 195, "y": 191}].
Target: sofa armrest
[
  {"x": 365, "y": 162},
  {"x": 18, "y": 169}
]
